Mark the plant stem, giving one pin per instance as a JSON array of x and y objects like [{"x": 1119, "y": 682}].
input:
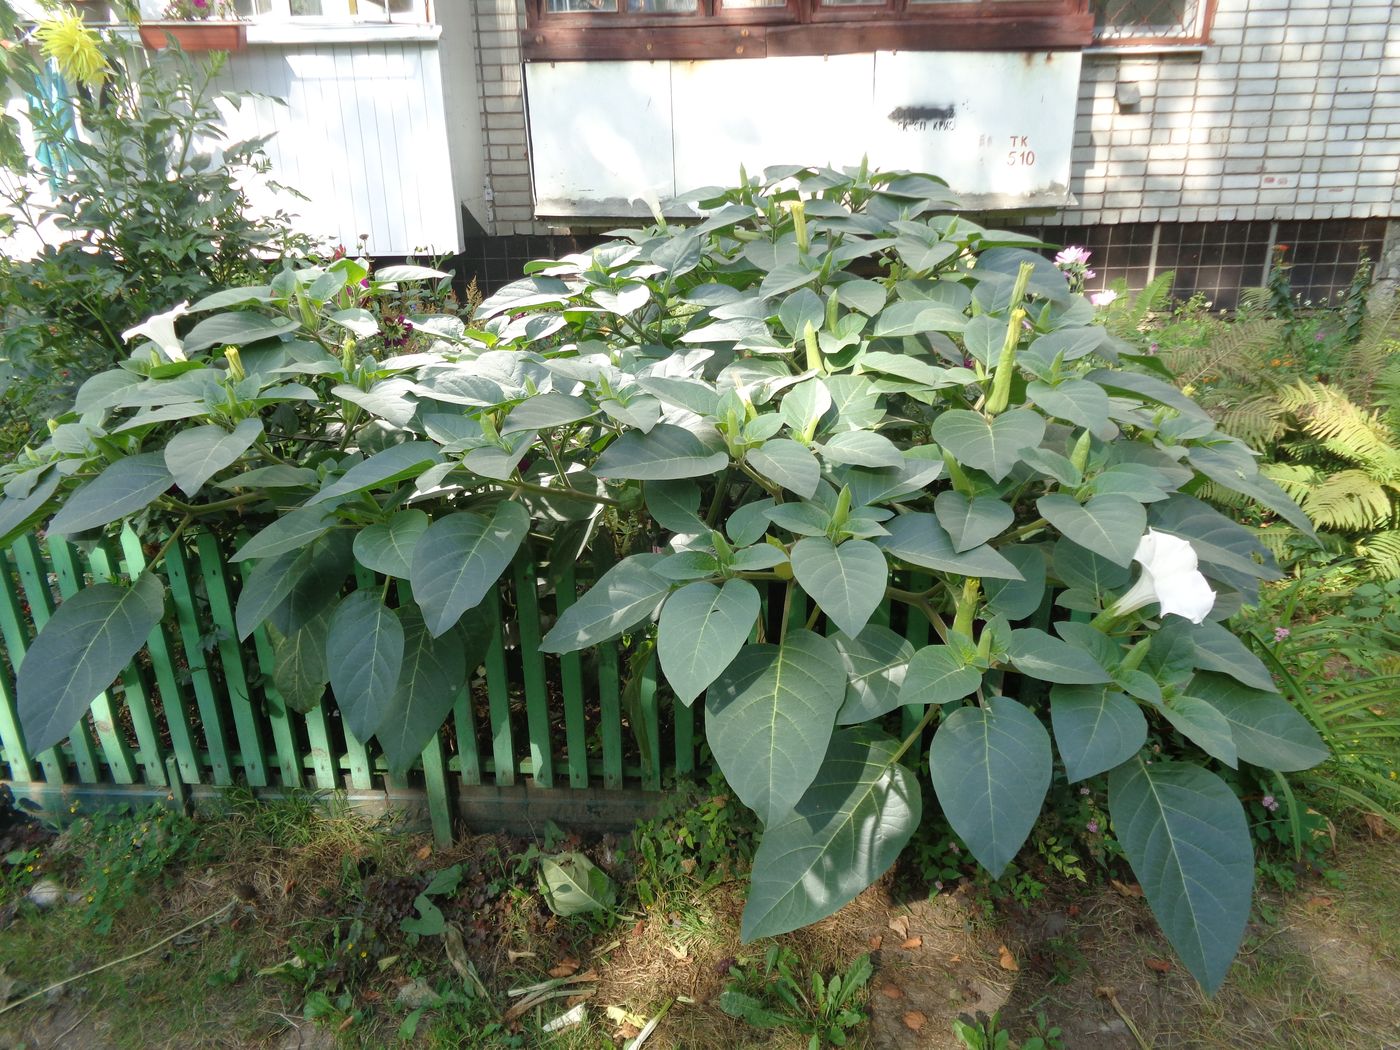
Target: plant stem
[
  {"x": 924, "y": 723},
  {"x": 570, "y": 493},
  {"x": 1024, "y": 530},
  {"x": 200, "y": 509}
]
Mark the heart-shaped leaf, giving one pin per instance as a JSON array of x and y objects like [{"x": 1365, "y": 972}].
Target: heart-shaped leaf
[
  {"x": 1185, "y": 835},
  {"x": 389, "y": 547},
  {"x": 847, "y": 581},
  {"x": 364, "y": 651},
  {"x": 79, "y": 652},
  {"x": 994, "y": 446},
  {"x": 460, "y": 557},
  {"x": 1110, "y": 526},
  {"x": 769, "y": 719},
  {"x": 1096, "y": 728},
  {"x": 701, "y": 629},
  {"x": 845, "y": 832},
  {"x": 1038, "y": 655},
  {"x": 991, "y": 768},
  {"x": 971, "y": 522},
  {"x": 875, "y": 662},
  {"x": 788, "y": 463},
  {"x": 938, "y": 674},
  {"x": 1267, "y": 730},
  {"x": 666, "y": 453}
]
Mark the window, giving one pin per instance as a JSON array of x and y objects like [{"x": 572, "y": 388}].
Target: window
[
  {"x": 560, "y": 30},
  {"x": 1126, "y": 22},
  {"x": 336, "y": 10}
]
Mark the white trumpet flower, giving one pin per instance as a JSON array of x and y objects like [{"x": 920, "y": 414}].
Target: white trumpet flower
[
  {"x": 160, "y": 330},
  {"x": 1169, "y": 578}
]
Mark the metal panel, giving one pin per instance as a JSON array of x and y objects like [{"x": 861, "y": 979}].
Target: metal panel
[
  {"x": 600, "y": 132},
  {"x": 997, "y": 125},
  {"x": 363, "y": 135},
  {"x": 802, "y": 110}
]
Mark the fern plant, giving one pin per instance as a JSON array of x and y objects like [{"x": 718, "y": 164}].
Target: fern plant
[{"x": 1330, "y": 429}]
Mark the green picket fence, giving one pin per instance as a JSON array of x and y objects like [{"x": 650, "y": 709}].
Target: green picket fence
[{"x": 531, "y": 736}]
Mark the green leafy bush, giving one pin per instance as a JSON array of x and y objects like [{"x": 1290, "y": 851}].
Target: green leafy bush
[
  {"x": 825, "y": 398},
  {"x": 136, "y": 197}
]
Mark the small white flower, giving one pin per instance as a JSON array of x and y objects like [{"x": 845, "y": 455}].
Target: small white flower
[
  {"x": 160, "y": 330},
  {"x": 1169, "y": 578},
  {"x": 1103, "y": 298}
]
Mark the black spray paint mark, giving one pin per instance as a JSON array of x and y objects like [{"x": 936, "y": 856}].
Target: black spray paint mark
[{"x": 939, "y": 118}]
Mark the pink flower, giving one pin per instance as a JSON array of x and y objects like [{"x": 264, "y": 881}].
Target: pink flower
[
  {"x": 1071, "y": 256},
  {"x": 1270, "y": 803},
  {"x": 1280, "y": 633},
  {"x": 1092, "y": 827},
  {"x": 1103, "y": 298}
]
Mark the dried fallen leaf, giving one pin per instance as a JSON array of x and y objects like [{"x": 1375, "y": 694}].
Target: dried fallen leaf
[
  {"x": 638, "y": 929},
  {"x": 914, "y": 1020},
  {"x": 1007, "y": 960},
  {"x": 911, "y": 943},
  {"x": 688, "y": 865},
  {"x": 515, "y": 956},
  {"x": 1127, "y": 889},
  {"x": 900, "y": 925},
  {"x": 1158, "y": 965},
  {"x": 892, "y": 991},
  {"x": 629, "y": 1031},
  {"x": 566, "y": 968},
  {"x": 875, "y": 942},
  {"x": 1073, "y": 911},
  {"x": 956, "y": 959},
  {"x": 1319, "y": 902},
  {"x": 1377, "y": 826},
  {"x": 424, "y": 852}
]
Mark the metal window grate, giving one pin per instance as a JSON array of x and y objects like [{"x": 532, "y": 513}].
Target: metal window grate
[{"x": 1117, "y": 20}]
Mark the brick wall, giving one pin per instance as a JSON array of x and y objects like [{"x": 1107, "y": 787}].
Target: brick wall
[{"x": 1292, "y": 113}]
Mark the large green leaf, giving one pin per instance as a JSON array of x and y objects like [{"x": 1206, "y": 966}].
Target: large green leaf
[
  {"x": 875, "y": 662},
  {"x": 769, "y": 718},
  {"x": 291, "y": 532},
  {"x": 90, "y": 638},
  {"x": 847, "y": 581},
  {"x": 546, "y": 411},
  {"x": 1039, "y": 655},
  {"x": 196, "y": 455},
  {"x": 1203, "y": 725},
  {"x": 238, "y": 328},
  {"x": 846, "y": 831},
  {"x": 572, "y": 884},
  {"x": 1219, "y": 650},
  {"x": 666, "y": 453},
  {"x": 702, "y": 628},
  {"x": 1083, "y": 403},
  {"x": 1017, "y": 599},
  {"x": 917, "y": 317},
  {"x": 1107, "y": 525},
  {"x": 433, "y": 670},
  {"x": 388, "y": 547},
  {"x": 300, "y": 671},
  {"x": 395, "y": 463},
  {"x": 1185, "y": 835},
  {"x": 317, "y": 575},
  {"x": 18, "y": 511},
  {"x": 1095, "y": 727},
  {"x": 627, "y": 594},
  {"x": 365, "y": 649},
  {"x": 919, "y": 539},
  {"x": 128, "y": 485},
  {"x": 788, "y": 463},
  {"x": 992, "y": 445},
  {"x": 460, "y": 557},
  {"x": 1266, "y": 728},
  {"x": 991, "y": 768},
  {"x": 971, "y": 523},
  {"x": 938, "y": 675}
]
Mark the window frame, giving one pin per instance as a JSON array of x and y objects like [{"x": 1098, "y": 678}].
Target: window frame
[
  {"x": 1198, "y": 36},
  {"x": 804, "y": 27}
]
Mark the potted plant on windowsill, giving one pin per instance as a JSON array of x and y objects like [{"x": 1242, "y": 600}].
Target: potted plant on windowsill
[{"x": 198, "y": 25}]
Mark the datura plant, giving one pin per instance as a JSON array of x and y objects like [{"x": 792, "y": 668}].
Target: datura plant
[{"x": 826, "y": 408}]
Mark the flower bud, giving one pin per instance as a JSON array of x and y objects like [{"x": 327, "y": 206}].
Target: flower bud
[{"x": 235, "y": 364}]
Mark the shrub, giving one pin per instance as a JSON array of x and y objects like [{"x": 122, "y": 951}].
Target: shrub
[
  {"x": 146, "y": 206},
  {"x": 827, "y": 391}
]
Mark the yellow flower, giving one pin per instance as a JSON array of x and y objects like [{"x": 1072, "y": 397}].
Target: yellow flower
[{"x": 75, "y": 47}]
